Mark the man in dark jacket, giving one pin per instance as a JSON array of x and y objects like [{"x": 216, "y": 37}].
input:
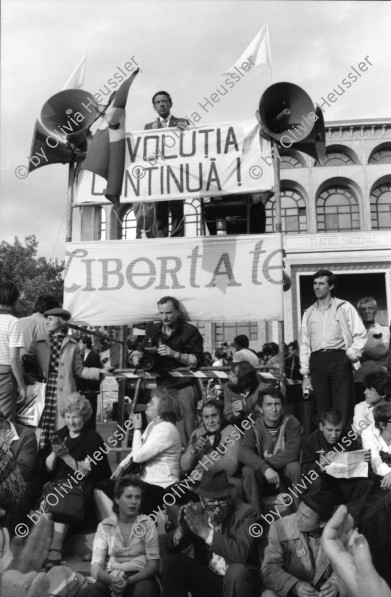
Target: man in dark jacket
[
  {"x": 318, "y": 452},
  {"x": 180, "y": 345},
  {"x": 222, "y": 535},
  {"x": 152, "y": 218},
  {"x": 270, "y": 450}
]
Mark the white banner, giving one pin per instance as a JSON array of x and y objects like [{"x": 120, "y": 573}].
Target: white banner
[
  {"x": 201, "y": 161},
  {"x": 231, "y": 278}
]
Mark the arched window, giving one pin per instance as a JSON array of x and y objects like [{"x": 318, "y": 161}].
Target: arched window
[
  {"x": 381, "y": 155},
  {"x": 338, "y": 158},
  {"x": 102, "y": 226},
  {"x": 293, "y": 212},
  {"x": 128, "y": 231},
  {"x": 381, "y": 206},
  {"x": 337, "y": 210},
  {"x": 339, "y": 155},
  {"x": 290, "y": 161}
]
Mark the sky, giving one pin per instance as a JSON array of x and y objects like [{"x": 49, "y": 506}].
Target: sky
[{"x": 183, "y": 47}]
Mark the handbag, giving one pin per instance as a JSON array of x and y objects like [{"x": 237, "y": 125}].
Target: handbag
[
  {"x": 12, "y": 484},
  {"x": 66, "y": 505},
  {"x": 65, "y": 582},
  {"x": 30, "y": 411},
  {"x": 132, "y": 468}
]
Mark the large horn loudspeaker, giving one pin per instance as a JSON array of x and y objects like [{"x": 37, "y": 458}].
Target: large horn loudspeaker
[
  {"x": 69, "y": 114},
  {"x": 286, "y": 115}
]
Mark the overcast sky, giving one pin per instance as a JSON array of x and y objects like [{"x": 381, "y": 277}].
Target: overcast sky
[{"x": 183, "y": 47}]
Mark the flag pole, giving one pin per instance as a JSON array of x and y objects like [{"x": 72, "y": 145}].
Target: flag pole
[
  {"x": 278, "y": 229},
  {"x": 70, "y": 198}
]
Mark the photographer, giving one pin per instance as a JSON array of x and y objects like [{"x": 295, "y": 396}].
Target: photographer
[{"x": 179, "y": 345}]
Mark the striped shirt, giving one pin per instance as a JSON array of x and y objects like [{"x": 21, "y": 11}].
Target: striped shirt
[{"x": 11, "y": 336}]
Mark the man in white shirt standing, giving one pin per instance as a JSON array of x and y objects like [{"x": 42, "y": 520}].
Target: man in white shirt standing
[{"x": 332, "y": 339}]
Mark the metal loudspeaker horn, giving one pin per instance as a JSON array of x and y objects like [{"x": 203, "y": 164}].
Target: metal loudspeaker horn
[
  {"x": 69, "y": 114},
  {"x": 315, "y": 144},
  {"x": 287, "y": 114},
  {"x": 282, "y": 108},
  {"x": 46, "y": 149}
]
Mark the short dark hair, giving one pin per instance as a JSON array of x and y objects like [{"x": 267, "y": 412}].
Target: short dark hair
[
  {"x": 379, "y": 381},
  {"x": 272, "y": 392},
  {"x": 86, "y": 340},
  {"x": 331, "y": 278},
  {"x": 242, "y": 341},
  {"x": 124, "y": 482},
  {"x": 169, "y": 407},
  {"x": 44, "y": 302},
  {"x": 332, "y": 416},
  {"x": 247, "y": 377},
  {"x": 382, "y": 413},
  {"x": 161, "y": 93},
  {"x": 9, "y": 293},
  {"x": 221, "y": 353},
  {"x": 166, "y": 299}
]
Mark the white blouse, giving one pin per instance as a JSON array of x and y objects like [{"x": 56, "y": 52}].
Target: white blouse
[
  {"x": 159, "y": 449},
  {"x": 372, "y": 440}
]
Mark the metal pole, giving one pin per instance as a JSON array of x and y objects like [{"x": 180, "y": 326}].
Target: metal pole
[
  {"x": 278, "y": 228},
  {"x": 71, "y": 192}
]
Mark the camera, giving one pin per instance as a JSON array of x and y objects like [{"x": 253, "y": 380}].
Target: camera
[{"x": 149, "y": 359}]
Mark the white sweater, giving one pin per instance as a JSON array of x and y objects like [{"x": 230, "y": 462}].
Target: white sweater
[{"x": 159, "y": 449}]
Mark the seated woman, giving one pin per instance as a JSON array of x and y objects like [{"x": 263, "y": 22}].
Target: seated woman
[
  {"x": 130, "y": 541},
  {"x": 72, "y": 462},
  {"x": 377, "y": 438},
  {"x": 213, "y": 435},
  {"x": 241, "y": 392},
  {"x": 158, "y": 449}
]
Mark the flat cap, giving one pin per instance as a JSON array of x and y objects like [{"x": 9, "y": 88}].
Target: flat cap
[{"x": 58, "y": 312}]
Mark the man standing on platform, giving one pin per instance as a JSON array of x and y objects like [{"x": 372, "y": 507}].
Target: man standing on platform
[
  {"x": 153, "y": 217},
  {"x": 180, "y": 345},
  {"x": 332, "y": 339}
]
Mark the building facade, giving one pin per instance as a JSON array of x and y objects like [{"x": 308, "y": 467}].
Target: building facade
[{"x": 336, "y": 216}]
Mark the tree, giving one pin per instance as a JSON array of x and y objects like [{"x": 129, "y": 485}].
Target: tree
[{"x": 33, "y": 275}]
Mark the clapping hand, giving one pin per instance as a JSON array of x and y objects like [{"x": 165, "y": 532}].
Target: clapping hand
[
  {"x": 237, "y": 407},
  {"x": 197, "y": 521},
  {"x": 351, "y": 558},
  {"x": 59, "y": 447}
]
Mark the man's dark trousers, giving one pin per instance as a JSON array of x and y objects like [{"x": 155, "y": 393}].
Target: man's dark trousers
[
  {"x": 332, "y": 381},
  {"x": 182, "y": 575}
]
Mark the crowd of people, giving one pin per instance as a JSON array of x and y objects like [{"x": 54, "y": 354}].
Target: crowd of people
[{"x": 256, "y": 500}]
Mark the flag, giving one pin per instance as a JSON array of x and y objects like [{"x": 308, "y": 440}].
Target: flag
[
  {"x": 258, "y": 51},
  {"x": 76, "y": 80},
  {"x": 106, "y": 152}
]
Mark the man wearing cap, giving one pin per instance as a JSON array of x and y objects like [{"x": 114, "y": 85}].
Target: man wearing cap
[
  {"x": 222, "y": 534},
  {"x": 243, "y": 353},
  {"x": 59, "y": 361},
  {"x": 295, "y": 564}
]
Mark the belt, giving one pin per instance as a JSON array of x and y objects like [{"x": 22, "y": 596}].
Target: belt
[{"x": 328, "y": 350}]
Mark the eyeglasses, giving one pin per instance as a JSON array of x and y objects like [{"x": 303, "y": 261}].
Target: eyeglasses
[{"x": 212, "y": 505}]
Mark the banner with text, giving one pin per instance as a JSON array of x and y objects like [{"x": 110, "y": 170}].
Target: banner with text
[
  {"x": 172, "y": 163},
  {"x": 232, "y": 278}
]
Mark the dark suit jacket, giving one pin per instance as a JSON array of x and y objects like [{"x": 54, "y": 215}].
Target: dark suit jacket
[
  {"x": 89, "y": 385},
  {"x": 235, "y": 543},
  {"x": 173, "y": 122},
  {"x": 25, "y": 450}
]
